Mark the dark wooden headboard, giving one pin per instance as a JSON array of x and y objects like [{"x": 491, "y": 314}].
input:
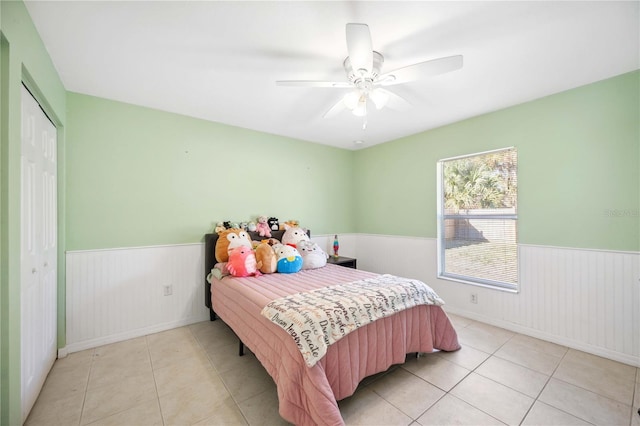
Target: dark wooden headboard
[{"x": 210, "y": 258}]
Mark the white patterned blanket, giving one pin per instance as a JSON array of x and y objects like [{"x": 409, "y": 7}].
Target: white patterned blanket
[{"x": 318, "y": 318}]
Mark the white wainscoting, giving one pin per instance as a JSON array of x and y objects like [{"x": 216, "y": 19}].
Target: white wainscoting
[
  {"x": 118, "y": 294},
  {"x": 347, "y": 242},
  {"x": 585, "y": 299}
]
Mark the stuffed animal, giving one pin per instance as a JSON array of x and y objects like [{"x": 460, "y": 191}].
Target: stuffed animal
[
  {"x": 218, "y": 271},
  {"x": 228, "y": 240},
  {"x": 219, "y": 228},
  {"x": 274, "y": 225},
  {"x": 243, "y": 226},
  {"x": 289, "y": 260},
  {"x": 242, "y": 262},
  {"x": 312, "y": 255},
  {"x": 292, "y": 235},
  {"x": 251, "y": 227},
  {"x": 292, "y": 223},
  {"x": 226, "y": 224},
  {"x": 266, "y": 258},
  {"x": 262, "y": 227}
]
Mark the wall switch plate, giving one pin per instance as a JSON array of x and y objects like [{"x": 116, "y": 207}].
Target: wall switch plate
[
  {"x": 474, "y": 298},
  {"x": 168, "y": 290}
]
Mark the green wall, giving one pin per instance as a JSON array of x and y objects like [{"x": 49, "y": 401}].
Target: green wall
[
  {"x": 578, "y": 169},
  {"x": 24, "y": 59},
  {"x": 138, "y": 176}
]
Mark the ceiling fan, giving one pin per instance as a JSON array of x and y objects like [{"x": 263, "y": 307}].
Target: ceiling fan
[{"x": 363, "y": 67}]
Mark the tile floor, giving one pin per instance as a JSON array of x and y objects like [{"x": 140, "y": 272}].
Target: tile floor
[{"x": 193, "y": 376}]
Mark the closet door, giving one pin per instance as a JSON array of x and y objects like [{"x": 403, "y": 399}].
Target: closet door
[{"x": 38, "y": 298}]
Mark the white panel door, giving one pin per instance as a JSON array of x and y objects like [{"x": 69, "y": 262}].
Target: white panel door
[{"x": 38, "y": 298}]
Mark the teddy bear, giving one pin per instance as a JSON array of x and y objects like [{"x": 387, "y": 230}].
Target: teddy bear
[
  {"x": 312, "y": 255},
  {"x": 289, "y": 259},
  {"x": 228, "y": 240},
  {"x": 219, "y": 228},
  {"x": 266, "y": 258},
  {"x": 293, "y": 234},
  {"x": 262, "y": 227}
]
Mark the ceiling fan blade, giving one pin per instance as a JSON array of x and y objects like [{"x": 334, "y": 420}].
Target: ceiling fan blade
[
  {"x": 360, "y": 47},
  {"x": 395, "y": 102},
  {"x": 335, "y": 110},
  {"x": 421, "y": 69},
  {"x": 311, "y": 83}
]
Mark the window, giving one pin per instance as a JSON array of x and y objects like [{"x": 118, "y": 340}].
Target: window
[{"x": 477, "y": 219}]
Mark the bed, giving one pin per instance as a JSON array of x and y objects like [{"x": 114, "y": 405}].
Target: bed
[{"x": 309, "y": 395}]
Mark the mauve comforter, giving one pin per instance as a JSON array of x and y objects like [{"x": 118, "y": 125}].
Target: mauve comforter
[{"x": 308, "y": 395}]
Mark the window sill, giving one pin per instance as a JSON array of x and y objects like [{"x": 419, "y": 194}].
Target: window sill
[{"x": 509, "y": 288}]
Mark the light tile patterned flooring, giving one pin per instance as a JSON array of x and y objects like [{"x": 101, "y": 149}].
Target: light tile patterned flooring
[{"x": 193, "y": 376}]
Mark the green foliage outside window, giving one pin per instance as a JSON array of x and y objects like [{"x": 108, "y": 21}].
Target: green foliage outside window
[{"x": 481, "y": 182}]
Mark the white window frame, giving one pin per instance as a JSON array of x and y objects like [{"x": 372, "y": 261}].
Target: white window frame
[{"x": 442, "y": 273}]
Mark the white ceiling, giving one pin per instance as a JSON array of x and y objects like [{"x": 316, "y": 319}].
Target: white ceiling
[{"x": 219, "y": 60}]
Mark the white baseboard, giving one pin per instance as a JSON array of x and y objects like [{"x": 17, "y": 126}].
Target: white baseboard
[
  {"x": 559, "y": 340},
  {"x": 130, "y": 334}
]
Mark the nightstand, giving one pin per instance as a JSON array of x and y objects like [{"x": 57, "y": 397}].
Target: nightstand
[{"x": 347, "y": 262}]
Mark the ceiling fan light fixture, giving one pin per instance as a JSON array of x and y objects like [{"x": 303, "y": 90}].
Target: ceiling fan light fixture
[
  {"x": 379, "y": 98},
  {"x": 361, "y": 109},
  {"x": 351, "y": 99}
]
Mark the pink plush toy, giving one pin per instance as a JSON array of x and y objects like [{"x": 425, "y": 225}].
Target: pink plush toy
[
  {"x": 242, "y": 262},
  {"x": 262, "y": 227}
]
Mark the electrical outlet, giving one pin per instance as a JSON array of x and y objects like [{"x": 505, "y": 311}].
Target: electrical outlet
[
  {"x": 474, "y": 298},
  {"x": 168, "y": 290}
]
